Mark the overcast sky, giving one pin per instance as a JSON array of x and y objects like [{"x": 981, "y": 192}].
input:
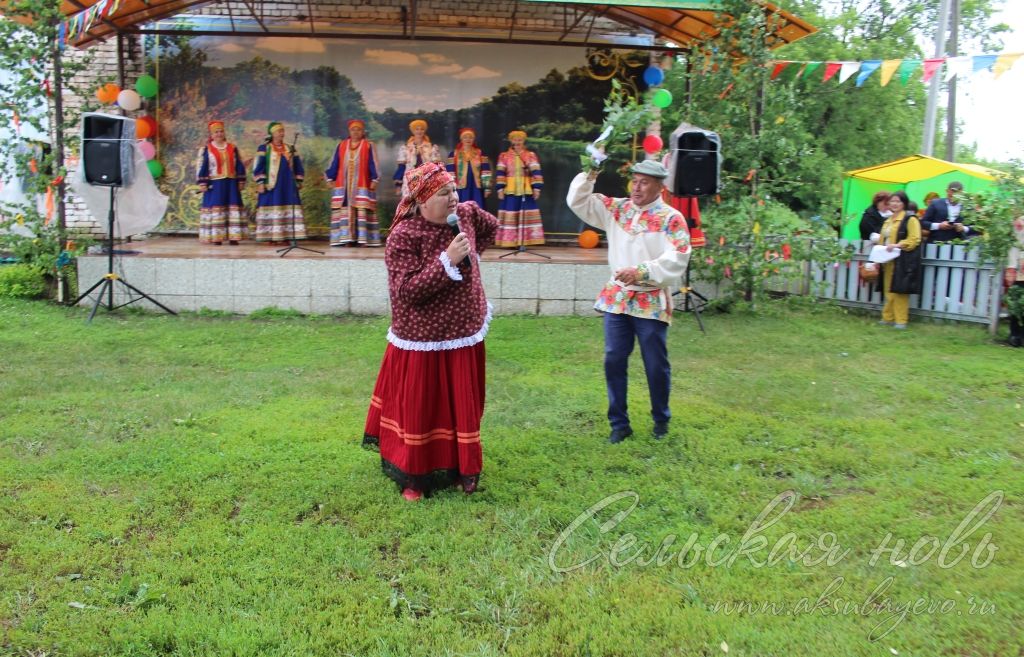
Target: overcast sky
[{"x": 992, "y": 111}]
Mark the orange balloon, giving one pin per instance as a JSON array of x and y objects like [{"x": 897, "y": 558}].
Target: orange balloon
[
  {"x": 107, "y": 94},
  {"x": 145, "y": 127},
  {"x": 589, "y": 239}
]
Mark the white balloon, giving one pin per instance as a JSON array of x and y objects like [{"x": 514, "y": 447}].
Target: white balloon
[{"x": 129, "y": 100}]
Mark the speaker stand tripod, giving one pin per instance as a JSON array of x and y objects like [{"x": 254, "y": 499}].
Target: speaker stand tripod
[
  {"x": 692, "y": 301},
  {"x": 106, "y": 283}
]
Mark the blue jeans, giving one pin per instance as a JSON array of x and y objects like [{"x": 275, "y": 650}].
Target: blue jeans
[{"x": 620, "y": 332}]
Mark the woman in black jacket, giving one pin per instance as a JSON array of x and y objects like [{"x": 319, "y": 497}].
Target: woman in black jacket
[{"x": 876, "y": 214}]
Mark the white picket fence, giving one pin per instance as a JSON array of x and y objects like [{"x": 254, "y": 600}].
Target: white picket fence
[{"x": 956, "y": 285}]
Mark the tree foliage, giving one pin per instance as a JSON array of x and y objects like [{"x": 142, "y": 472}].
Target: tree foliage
[
  {"x": 30, "y": 95},
  {"x": 994, "y": 213}
]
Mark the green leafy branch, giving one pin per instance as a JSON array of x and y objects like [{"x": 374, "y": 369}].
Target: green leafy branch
[{"x": 624, "y": 116}]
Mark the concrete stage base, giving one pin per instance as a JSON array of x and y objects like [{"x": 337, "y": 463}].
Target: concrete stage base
[{"x": 186, "y": 275}]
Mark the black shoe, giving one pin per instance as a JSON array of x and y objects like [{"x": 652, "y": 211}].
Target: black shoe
[
  {"x": 660, "y": 430},
  {"x": 618, "y": 435},
  {"x": 1015, "y": 341}
]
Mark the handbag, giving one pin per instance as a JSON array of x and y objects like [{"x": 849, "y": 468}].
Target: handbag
[{"x": 868, "y": 271}]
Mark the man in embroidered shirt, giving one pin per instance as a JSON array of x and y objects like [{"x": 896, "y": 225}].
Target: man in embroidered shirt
[{"x": 648, "y": 250}]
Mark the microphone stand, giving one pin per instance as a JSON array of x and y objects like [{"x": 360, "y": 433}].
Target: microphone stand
[
  {"x": 522, "y": 246},
  {"x": 293, "y": 243}
]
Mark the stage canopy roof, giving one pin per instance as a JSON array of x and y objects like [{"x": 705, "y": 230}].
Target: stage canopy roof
[{"x": 639, "y": 24}]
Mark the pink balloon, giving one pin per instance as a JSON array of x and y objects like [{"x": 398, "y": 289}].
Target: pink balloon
[
  {"x": 148, "y": 149},
  {"x": 652, "y": 144}
]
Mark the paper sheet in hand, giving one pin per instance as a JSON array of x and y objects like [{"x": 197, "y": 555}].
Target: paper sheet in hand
[{"x": 879, "y": 254}]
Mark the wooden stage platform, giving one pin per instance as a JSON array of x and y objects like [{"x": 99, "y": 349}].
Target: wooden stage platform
[{"x": 184, "y": 274}]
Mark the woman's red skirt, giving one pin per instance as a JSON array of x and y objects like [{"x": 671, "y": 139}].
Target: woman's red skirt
[{"x": 425, "y": 415}]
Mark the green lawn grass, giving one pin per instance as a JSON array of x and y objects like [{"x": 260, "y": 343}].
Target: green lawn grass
[{"x": 196, "y": 486}]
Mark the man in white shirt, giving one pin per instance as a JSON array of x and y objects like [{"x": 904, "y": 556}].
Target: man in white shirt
[{"x": 648, "y": 250}]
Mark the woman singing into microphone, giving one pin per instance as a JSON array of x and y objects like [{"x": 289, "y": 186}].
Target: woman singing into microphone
[{"x": 429, "y": 398}]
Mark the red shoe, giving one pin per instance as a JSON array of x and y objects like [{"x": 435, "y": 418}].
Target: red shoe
[{"x": 411, "y": 495}]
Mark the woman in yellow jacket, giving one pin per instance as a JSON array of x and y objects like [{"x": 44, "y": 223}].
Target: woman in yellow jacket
[{"x": 902, "y": 276}]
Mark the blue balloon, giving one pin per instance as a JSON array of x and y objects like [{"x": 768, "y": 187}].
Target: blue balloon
[{"x": 653, "y": 76}]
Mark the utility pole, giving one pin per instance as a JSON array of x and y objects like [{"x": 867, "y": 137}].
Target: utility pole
[
  {"x": 928, "y": 145},
  {"x": 954, "y": 29}
]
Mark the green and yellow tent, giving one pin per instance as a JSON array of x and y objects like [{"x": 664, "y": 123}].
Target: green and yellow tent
[{"x": 916, "y": 175}]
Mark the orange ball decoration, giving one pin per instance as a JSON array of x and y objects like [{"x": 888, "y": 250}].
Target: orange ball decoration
[
  {"x": 589, "y": 239},
  {"x": 107, "y": 94}
]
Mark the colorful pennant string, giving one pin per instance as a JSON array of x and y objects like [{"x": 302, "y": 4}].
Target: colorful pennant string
[{"x": 961, "y": 66}]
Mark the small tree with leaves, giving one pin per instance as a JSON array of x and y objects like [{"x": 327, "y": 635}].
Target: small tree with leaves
[
  {"x": 994, "y": 214},
  {"x": 753, "y": 234},
  {"x": 32, "y": 95}
]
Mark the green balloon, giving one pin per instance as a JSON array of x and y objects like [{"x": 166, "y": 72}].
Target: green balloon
[
  {"x": 155, "y": 168},
  {"x": 147, "y": 86},
  {"x": 662, "y": 98}
]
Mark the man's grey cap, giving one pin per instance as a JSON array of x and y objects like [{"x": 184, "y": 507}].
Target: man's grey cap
[{"x": 650, "y": 168}]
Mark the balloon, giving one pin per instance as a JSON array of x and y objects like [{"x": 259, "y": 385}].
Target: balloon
[
  {"x": 653, "y": 76},
  {"x": 148, "y": 149},
  {"x": 145, "y": 126},
  {"x": 652, "y": 144},
  {"x": 129, "y": 100},
  {"x": 107, "y": 93},
  {"x": 662, "y": 98},
  {"x": 147, "y": 86},
  {"x": 589, "y": 239},
  {"x": 155, "y": 168}
]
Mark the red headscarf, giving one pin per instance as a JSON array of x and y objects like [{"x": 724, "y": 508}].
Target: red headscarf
[{"x": 422, "y": 182}]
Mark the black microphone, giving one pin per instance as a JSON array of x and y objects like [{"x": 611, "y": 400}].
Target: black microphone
[{"x": 453, "y": 223}]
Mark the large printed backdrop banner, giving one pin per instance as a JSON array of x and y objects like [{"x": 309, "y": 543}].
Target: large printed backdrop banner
[{"x": 314, "y": 87}]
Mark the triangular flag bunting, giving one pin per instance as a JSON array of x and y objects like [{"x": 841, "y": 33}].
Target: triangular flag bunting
[
  {"x": 958, "y": 66},
  {"x": 907, "y": 69},
  {"x": 982, "y": 63},
  {"x": 847, "y": 70},
  {"x": 889, "y": 67},
  {"x": 811, "y": 68},
  {"x": 1004, "y": 63},
  {"x": 779, "y": 67},
  {"x": 866, "y": 69},
  {"x": 931, "y": 66},
  {"x": 831, "y": 69}
]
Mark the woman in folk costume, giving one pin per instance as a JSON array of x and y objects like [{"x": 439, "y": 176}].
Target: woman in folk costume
[
  {"x": 278, "y": 174},
  {"x": 220, "y": 175},
  {"x": 427, "y": 404},
  {"x": 354, "y": 202},
  {"x": 417, "y": 150},
  {"x": 519, "y": 181},
  {"x": 471, "y": 168}
]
